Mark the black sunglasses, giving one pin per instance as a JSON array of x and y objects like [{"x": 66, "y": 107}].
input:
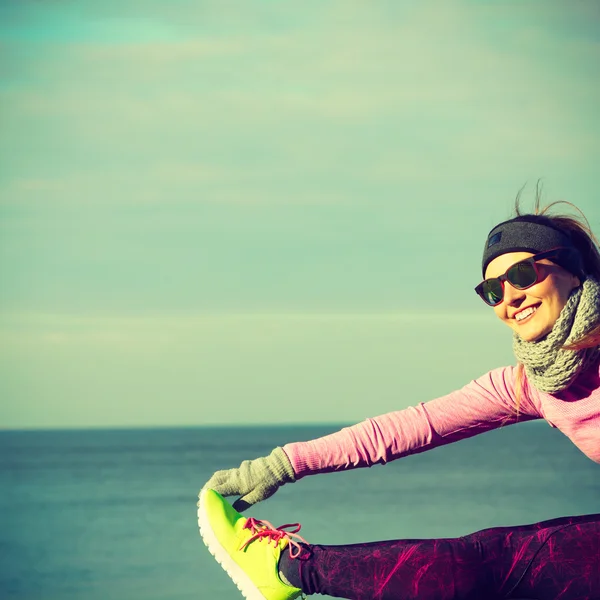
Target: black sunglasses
[{"x": 522, "y": 275}]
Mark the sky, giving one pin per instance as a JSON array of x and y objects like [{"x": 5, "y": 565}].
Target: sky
[{"x": 267, "y": 212}]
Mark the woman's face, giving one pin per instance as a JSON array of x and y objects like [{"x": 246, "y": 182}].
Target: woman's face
[{"x": 532, "y": 312}]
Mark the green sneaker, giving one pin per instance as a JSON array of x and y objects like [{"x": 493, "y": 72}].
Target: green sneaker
[{"x": 248, "y": 549}]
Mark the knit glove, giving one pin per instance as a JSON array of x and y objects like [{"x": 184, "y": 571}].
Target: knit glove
[{"x": 254, "y": 480}]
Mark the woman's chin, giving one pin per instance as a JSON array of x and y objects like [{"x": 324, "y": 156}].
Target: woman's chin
[{"x": 530, "y": 333}]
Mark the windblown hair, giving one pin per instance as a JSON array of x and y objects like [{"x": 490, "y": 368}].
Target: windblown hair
[{"x": 578, "y": 228}]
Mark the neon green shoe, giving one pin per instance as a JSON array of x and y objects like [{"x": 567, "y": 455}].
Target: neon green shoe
[{"x": 248, "y": 549}]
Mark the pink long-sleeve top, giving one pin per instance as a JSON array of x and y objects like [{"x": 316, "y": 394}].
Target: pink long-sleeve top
[{"x": 484, "y": 404}]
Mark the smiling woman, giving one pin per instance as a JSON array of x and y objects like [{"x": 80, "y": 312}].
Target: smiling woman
[{"x": 542, "y": 281}]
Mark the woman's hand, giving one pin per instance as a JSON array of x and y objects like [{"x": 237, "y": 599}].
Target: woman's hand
[{"x": 254, "y": 480}]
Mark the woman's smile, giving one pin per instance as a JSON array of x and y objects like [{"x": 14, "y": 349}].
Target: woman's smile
[{"x": 525, "y": 314}]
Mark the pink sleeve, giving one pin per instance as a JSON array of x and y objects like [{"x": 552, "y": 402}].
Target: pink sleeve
[{"x": 484, "y": 404}]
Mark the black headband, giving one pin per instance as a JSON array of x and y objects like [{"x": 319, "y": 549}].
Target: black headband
[{"x": 524, "y": 234}]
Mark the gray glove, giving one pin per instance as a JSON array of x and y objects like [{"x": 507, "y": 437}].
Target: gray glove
[{"x": 254, "y": 480}]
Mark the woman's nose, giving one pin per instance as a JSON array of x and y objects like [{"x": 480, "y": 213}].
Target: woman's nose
[{"x": 512, "y": 295}]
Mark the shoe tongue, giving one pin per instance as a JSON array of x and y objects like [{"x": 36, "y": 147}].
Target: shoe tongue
[{"x": 283, "y": 543}]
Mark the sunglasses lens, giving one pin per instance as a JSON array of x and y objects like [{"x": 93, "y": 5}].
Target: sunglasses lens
[
  {"x": 522, "y": 275},
  {"x": 492, "y": 291}
]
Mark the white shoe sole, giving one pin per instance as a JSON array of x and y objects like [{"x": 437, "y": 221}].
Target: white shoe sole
[{"x": 235, "y": 572}]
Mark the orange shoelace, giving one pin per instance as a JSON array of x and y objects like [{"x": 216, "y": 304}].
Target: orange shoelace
[{"x": 264, "y": 529}]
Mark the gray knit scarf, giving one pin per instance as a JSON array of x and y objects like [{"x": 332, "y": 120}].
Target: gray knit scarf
[{"x": 548, "y": 367}]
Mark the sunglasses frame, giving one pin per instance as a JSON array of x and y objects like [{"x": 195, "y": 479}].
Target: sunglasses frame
[{"x": 502, "y": 278}]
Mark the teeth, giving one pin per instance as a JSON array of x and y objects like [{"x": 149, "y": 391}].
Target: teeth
[{"x": 525, "y": 313}]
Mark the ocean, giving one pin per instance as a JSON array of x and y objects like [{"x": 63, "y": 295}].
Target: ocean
[{"x": 111, "y": 514}]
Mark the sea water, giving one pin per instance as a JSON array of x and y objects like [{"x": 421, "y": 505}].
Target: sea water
[{"x": 111, "y": 514}]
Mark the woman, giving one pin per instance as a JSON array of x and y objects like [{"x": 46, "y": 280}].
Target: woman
[{"x": 541, "y": 277}]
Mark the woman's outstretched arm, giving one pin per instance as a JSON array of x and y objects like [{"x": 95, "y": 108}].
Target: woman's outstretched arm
[{"x": 482, "y": 405}]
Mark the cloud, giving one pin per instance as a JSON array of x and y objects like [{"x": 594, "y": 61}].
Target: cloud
[
  {"x": 236, "y": 113},
  {"x": 435, "y": 60},
  {"x": 158, "y": 333},
  {"x": 65, "y": 370}
]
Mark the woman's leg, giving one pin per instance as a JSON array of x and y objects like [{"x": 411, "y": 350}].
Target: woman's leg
[
  {"x": 540, "y": 561},
  {"x": 567, "y": 566}
]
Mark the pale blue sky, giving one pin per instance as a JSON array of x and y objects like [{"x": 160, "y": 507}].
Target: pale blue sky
[{"x": 216, "y": 212}]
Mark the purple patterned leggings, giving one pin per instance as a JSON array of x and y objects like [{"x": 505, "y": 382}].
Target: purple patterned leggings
[{"x": 551, "y": 560}]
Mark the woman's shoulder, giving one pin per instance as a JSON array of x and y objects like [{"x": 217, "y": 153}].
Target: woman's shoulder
[
  {"x": 509, "y": 384},
  {"x": 586, "y": 384}
]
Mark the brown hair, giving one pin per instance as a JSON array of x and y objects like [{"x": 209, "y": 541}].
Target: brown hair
[{"x": 580, "y": 232}]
